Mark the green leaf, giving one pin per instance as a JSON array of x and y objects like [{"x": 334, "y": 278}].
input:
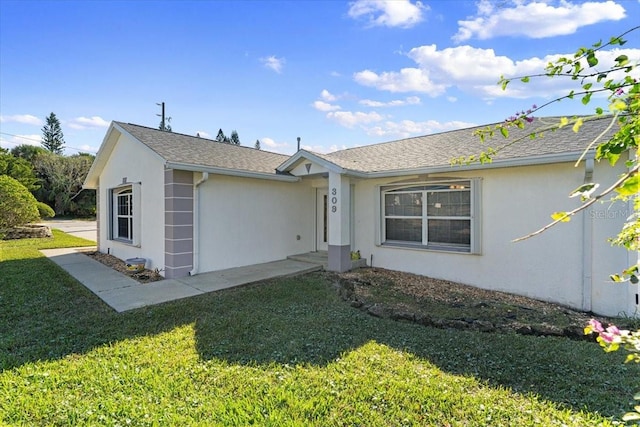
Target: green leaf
[
  {"x": 586, "y": 98},
  {"x": 525, "y": 79},
  {"x": 587, "y": 86},
  {"x": 585, "y": 190},
  {"x": 630, "y": 186},
  {"x": 617, "y": 105},
  {"x": 616, "y": 278},
  {"x": 599, "y": 111},
  {"x": 622, "y": 60},
  {"x": 577, "y": 125},
  {"x": 560, "y": 216},
  {"x": 570, "y": 96},
  {"x": 505, "y": 132},
  {"x": 563, "y": 122},
  {"x": 591, "y": 59}
]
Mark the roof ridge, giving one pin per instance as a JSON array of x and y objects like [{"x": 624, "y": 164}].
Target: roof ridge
[
  {"x": 200, "y": 138},
  {"x": 456, "y": 130}
]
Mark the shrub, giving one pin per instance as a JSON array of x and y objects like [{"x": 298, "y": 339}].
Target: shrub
[
  {"x": 17, "y": 204},
  {"x": 45, "y": 210}
]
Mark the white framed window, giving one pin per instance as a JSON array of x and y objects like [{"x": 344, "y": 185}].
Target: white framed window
[
  {"x": 438, "y": 215},
  {"x": 125, "y": 214}
]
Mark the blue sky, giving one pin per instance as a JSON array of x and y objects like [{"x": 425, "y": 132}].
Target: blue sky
[{"x": 338, "y": 74}]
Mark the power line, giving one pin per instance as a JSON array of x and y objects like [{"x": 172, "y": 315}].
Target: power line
[{"x": 80, "y": 150}]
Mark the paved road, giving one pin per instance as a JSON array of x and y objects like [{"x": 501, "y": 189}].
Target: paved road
[{"x": 79, "y": 228}]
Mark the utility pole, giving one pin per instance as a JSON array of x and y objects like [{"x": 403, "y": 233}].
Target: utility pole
[{"x": 162, "y": 125}]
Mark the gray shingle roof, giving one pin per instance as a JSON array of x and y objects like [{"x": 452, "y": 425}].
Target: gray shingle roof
[
  {"x": 438, "y": 149},
  {"x": 433, "y": 150},
  {"x": 185, "y": 149}
]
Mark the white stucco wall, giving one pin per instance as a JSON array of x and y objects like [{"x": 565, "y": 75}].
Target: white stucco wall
[
  {"x": 246, "y": 221},
  {"x": 135, "y": 162},
  {"x": 515, "y": 202},
  {"x": 605, "y": 220}
]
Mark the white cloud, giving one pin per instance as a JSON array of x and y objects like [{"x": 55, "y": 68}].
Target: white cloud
[
  {"x": 273, "y": 63},
  {"x": 325, "y": 106},
  {"x": 411, "y": 100},
  {"x": 269, "y": 144},
  {"x": 26, "y": 119},
  {"x": 88, "y": 122},
  {"x": 325, "y": 95},
  {"x": 203, "y": 134},
  {"x": 406, "y": 80},
  {"x": 452, "y": 98},
  {"x": 86, "y": 148},
  {"x": 15, "y": 140},
  {"x": 350, "y": 119},
  {"x": 535, "y": 19},
  {"x": 408, "y": 128},
  {"x": 476, "y": 71},
  {"x": 322, "y": 149},
  {"x": 390, "y": 13}
]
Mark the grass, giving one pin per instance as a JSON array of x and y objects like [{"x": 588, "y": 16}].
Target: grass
[{"x": 285, "y": 352}]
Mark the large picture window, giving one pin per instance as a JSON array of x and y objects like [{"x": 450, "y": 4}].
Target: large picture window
[{"x": 435, "y": 215}]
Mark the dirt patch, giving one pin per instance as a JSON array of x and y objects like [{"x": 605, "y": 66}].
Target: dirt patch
[
  {"x": 441, "y": 303},
  {"x": 144, "y": 276}
]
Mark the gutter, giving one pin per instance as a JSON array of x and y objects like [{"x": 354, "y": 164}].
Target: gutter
[
  {"x": 196, "y": 223},
  {"x": 231, "y": 172},
  {"x": 587, "y": 242}
]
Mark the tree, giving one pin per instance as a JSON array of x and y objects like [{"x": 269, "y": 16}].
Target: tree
[
  {"x": 17, "y": 204},
  {"x": 19, "y": 169},
  {"x": 221, "y": 137},
  {"x": 165, "y": 125},
  {"x": 62, "y": 178},
  {"x": 623, "y": 95},
  {"x": 257, "y": 146},
  {"x": 52, "y": 136},
  {"x": 27, "y": 152},
  {"x": 235, "y": 139}
]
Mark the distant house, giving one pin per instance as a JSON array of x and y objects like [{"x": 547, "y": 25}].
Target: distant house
[{"x": 191, "y": 205}]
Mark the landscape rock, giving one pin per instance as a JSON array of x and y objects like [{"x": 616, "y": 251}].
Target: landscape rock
[{"x": 28, "y": 232}]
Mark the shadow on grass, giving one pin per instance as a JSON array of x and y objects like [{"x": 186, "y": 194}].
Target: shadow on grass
[{"x": 45, "y": 315}]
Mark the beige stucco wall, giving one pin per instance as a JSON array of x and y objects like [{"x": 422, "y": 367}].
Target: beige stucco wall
[
  {"x": 247, "y": 221},
  {"x": 135, "y": 162},
  {"x": 515, "y": 202}
]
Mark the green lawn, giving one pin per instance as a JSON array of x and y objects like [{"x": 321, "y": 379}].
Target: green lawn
[{"x": 286, "y": 352}]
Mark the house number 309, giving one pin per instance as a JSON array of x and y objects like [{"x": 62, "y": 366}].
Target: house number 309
[{"x": 334, "y": 200}]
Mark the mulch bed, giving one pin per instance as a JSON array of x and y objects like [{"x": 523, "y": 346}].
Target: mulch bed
[
  {"x": 443, "y": 304},
  {"x": 144, "y": 276}
]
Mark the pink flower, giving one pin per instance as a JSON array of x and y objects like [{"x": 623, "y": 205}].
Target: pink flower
[
  {"x": 610, "y": 335},
  {"x": 596, "y": 326}
]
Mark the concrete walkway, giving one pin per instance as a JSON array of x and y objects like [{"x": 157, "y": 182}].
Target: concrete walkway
[
  {"x": 76, "y": 227},
  {"x": 123, "y": 293}
]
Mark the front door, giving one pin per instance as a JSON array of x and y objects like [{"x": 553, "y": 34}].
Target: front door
[{"x": 322, "y": 220}]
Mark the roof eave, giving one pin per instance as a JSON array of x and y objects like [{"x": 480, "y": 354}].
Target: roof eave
[
  {"x": 231, "y": 172},
  {"x": 106, "y": 147}
]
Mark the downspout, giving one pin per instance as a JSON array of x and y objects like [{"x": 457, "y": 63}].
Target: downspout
[
  {"x": 587, "y": 242},
  {"x": 196, "y": 223}
]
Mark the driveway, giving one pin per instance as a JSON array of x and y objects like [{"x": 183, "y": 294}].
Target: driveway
[{"x": 76, "y": 227}]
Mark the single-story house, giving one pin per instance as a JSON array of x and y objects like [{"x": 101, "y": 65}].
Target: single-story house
[{"x": 190, "y": 205}]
